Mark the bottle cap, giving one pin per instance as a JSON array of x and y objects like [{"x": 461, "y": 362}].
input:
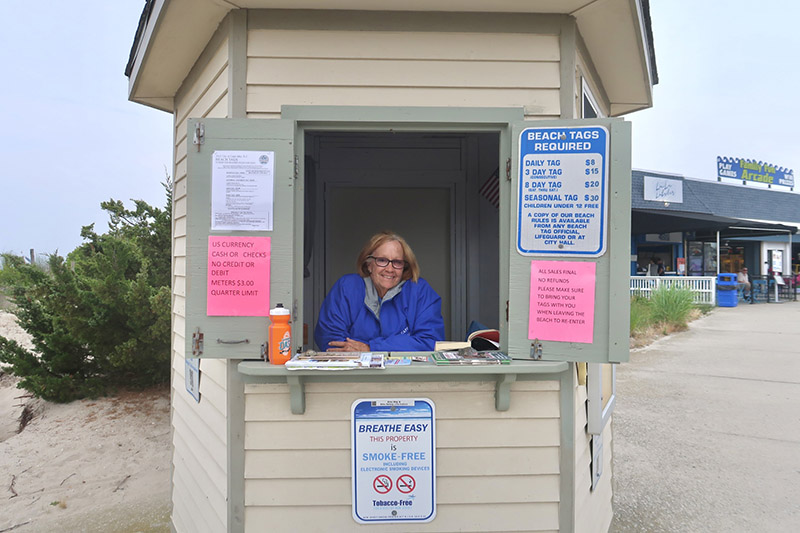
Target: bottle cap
[{"x": 279, "y": 310}]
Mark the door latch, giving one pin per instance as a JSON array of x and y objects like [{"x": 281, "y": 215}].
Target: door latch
[{"x": 536, "y": 350}]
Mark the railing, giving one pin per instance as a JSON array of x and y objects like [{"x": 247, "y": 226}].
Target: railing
[
  {"x": 703, "y": 287},
  {"x": 764, "y": 289}
]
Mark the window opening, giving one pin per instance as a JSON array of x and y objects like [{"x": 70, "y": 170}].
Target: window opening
[{"x": 440, "y": 191}]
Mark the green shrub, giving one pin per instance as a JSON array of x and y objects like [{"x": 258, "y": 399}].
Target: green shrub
[
  {"x": 100, "y": 318},
  {"x": 671, "y": 306},
  {"x": 640, "y": 314}
]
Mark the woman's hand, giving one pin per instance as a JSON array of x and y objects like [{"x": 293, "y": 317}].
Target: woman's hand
[{"x": 349, "y": 345}]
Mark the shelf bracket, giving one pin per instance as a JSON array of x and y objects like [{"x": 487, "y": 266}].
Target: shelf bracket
[
  {"x": 502, "y": 391},
  {"x": 297, "y": 394}
]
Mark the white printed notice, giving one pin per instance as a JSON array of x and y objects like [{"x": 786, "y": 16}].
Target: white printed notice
[
  {"x": 563, "y": 188},
  {"x": 242, "y": 190},
  {"x": 394, "y": 472}
]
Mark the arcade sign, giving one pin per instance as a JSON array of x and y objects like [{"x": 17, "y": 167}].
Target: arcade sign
[{"x": 754, "y": 171}]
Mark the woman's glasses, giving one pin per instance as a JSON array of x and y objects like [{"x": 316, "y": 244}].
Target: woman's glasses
[{"x": 383, "y": 261}]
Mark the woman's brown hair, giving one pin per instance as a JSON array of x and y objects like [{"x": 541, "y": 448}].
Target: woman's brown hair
[{"x": 410, "y": 271}]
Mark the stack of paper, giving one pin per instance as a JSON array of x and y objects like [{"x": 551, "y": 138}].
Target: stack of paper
[
  {"x": 336, "y": 360},
  {"x": 470, "y": 356}
]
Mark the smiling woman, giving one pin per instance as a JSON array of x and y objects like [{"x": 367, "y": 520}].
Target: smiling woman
[{"x": 386, "y": 306}]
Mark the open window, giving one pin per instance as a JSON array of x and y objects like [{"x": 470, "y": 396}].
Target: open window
[
  {"x": 446, "y": 179},
  {"x": 438, "y": 189}
]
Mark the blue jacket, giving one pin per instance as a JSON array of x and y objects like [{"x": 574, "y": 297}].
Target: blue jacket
[{"x": 411, "y": 321}]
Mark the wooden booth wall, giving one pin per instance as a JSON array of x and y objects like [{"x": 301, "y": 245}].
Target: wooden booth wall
[
  {"x": 496, "y": 471},
  {"x": 292, "y": 60},
  {"x": 353, "y": 59},
  {"x": 200, "y": 471}
]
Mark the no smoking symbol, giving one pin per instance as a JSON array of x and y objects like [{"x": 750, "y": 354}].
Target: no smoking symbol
[
  {"x": 406, "y": 484},
  {"x": 382, "y": 484}
]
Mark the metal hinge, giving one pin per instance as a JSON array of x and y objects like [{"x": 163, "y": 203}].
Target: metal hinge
[
  {"x": 536, "y": 349},
  {"x": 197, "y": 343},
  {"x": 296, "y": 167},
  {"x": 508, "y": 169},
  {"x": 199, "y": 135}
]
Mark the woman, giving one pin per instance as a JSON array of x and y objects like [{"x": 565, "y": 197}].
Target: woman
[{"x": 385, "y": 307}]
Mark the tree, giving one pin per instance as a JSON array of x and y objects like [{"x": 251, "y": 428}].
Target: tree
[{"x": 100, "y": 318}]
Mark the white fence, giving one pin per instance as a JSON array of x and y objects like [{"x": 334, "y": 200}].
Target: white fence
[{"x": 704, "y": 288}]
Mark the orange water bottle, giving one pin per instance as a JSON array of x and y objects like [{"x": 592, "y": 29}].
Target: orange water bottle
[{"x": 280, "y": 335}]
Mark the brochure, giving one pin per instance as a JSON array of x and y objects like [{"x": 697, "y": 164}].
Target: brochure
[
  {"x": 336, "y": 360},
  {"x": 470, "y": 356}
]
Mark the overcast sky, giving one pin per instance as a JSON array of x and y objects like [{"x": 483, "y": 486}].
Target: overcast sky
[{"x": 728, "y": 73}]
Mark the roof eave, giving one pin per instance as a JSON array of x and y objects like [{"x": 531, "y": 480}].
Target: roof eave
[
  {"x": 624, "y": 58},
  {"x": 155, "y": 83}
]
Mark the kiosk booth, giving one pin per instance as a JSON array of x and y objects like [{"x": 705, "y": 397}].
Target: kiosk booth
[{"x": 299, "y": 133}]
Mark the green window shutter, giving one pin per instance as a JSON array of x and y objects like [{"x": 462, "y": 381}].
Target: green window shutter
[
  {"x": 237, "y": 337},
  {"x": 611, "y": 262}
]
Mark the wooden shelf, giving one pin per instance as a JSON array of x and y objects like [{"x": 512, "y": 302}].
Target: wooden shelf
[{"x": 503, "y": 375}]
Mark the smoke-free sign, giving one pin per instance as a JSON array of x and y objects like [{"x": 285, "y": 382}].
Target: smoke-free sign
[
  {"x": 394, "y": 473},
  {"x": 563, "y": 185}
]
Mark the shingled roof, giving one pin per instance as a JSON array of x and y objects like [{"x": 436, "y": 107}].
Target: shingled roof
[{"x": 721, "y": 199}]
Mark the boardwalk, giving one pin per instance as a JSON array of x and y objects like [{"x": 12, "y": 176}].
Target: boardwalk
[{"x": 707, "y": 427}]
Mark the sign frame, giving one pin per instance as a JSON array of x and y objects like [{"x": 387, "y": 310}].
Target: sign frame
[
  {"x": 554, "y": 211},
  {"x": 393, "y": 460}
]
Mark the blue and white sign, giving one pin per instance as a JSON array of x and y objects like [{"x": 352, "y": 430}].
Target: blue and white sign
[
  {"x": 563, "y": 189},
  {"x": 192, "y": 377},
  {"x": 394, "y": 469},
  {"x": 754, "y": 171}
]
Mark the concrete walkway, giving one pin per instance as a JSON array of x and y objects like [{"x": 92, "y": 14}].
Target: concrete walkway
[{"x": 707, "y": 427}]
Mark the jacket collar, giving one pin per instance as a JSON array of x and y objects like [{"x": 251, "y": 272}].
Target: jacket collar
[{"x": 373, "y": 301}]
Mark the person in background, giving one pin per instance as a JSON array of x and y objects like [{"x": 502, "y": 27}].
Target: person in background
[
  {"x": 386, "y": 306},
  {"x": 743, "y": 282},
  {"x": 652, "y": 268},
  {"x": 660, "y": 267}
]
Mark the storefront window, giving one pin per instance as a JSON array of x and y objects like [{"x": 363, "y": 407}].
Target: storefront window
[
  {"x": 709, "y": 259},
  {"x": 702, "y": 258},
  {"x": 731, "y": 258},
  {"x": 695, "y": 258}
]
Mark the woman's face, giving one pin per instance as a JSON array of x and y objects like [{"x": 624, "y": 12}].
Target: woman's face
[{"x": 384, "y": 278}]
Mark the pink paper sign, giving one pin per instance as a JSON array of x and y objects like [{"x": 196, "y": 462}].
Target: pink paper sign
[
  {"x": 238, "y": 276},
  {"x": 562, "y": 301}
]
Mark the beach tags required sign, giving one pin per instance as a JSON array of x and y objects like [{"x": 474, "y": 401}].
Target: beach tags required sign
[
  {"x": 563, "y": 190},
  {"x": 393, "y": 461}
]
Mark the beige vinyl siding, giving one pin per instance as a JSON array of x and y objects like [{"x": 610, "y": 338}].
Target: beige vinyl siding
[
  {"x": 496, "y": 471},
  {"x": 402, "y": 68},
  {"x": 199, "y": 429},
  {"x": 593, "y": 510}
]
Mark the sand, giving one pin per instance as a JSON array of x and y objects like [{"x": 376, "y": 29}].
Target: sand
[{"x": 91, "y": 465}]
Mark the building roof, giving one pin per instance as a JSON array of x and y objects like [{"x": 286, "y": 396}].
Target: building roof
[
  {"x": 618, "y": 35},
  {"x": 721, "y": 199},
  {"x": 709, "y": 205},
  {"x": 747, "y": 202}
]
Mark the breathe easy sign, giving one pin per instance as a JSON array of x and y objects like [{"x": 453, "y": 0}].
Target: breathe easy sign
[
  {"x": 563, "y": 188},
  {"x": 394, "y": 474}
]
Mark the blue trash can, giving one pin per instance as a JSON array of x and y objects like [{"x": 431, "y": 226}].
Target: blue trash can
[{"x": 727, "y": 290}]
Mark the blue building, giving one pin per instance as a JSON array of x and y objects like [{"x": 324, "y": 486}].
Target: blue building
[{"x": 701, "y": 227}]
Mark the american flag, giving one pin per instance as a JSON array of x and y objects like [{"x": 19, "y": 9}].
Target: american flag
[{"x": 491, "y": 189}]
